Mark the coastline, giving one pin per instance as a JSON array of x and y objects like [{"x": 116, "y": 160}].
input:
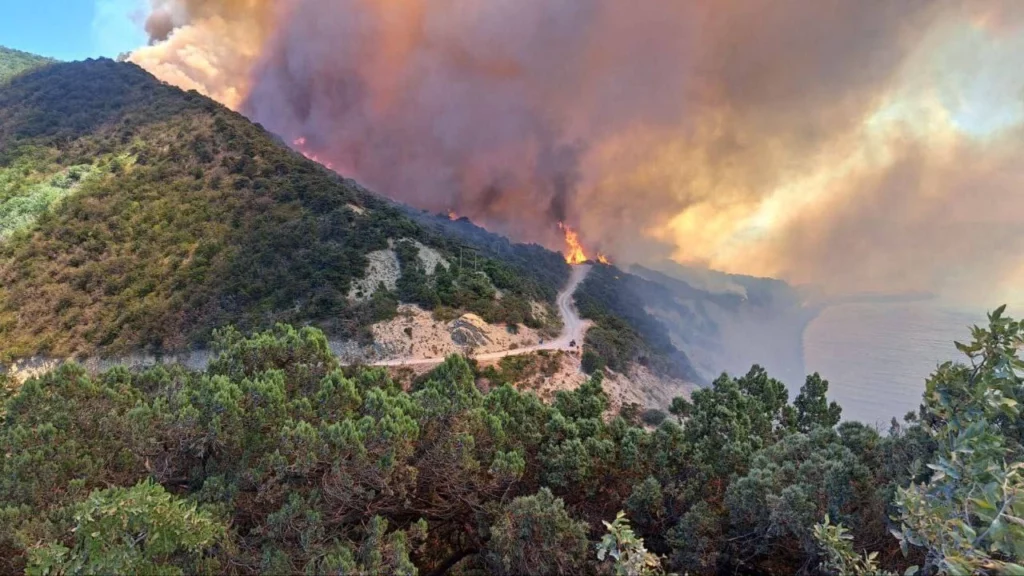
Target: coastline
[{"x": 877, "y": 355}]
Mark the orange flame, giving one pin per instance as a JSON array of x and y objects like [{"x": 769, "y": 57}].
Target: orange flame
[
  {"x": 603, "y": 259},
  {"x": 575, "y": 254},
  {"x": 452, "y": 215},
  {"x": 300, "y": 145}
]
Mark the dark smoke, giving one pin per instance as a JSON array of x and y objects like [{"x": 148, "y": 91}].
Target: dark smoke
[
  {"x": 754, "y": 136},
  {"x": 486, "y": 109}
]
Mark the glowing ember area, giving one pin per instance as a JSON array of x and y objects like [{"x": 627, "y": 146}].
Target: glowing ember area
[
  {"x": 603, "y": 259},
  {"x": 574, "y": 253},
  {"x": 452, "y": 215},
  {"x": 300, "y": 145}
]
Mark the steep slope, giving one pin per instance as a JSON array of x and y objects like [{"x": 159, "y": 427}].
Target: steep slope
[
  {"x": 624, "y": 332},
  {"x": 547, "y": 266},
  {"x": 137, "y": 216},
  {"x": 727, "y": 322}
]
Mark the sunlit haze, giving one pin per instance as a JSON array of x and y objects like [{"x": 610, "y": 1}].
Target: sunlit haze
[{"x": 852, "y": 146}]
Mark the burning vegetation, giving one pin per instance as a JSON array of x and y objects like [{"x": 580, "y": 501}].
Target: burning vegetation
[
  {"x": 574, "y": 253},
  {"x": 438, "y": 106},
  {"x": 300, "y": 145}
]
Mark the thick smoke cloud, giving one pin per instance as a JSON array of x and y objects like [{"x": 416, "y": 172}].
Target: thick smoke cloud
[
  {"x": 854, "y": 145},
  {"x": 487, "y": 109},
  {"x": 207, "y": 45}
]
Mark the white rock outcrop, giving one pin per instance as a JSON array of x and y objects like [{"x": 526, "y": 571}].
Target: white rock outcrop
[{"x": 382, "y": 269}]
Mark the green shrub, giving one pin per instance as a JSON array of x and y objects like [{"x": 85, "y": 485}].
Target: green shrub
[
  {"x": 277, "y": 459},
  {"x": 140, "y": 530},
  {"x": 591, "y": 361},
  {"x": 535, "y": 535},
  {"x": 653, "y": 417}
]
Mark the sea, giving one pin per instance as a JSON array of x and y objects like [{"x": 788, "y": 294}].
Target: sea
[{"x": 876, "y": 356}]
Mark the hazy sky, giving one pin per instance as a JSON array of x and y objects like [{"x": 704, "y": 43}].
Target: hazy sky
[
  {"x": 73, "y": 29},
  {"x": 860, "y": 146}
]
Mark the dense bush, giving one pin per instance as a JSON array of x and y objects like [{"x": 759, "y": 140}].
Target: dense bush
[
  {"x": 526, "y": 269},
  {"x": 14, "y": 62},
  {"x": 653, "y": 416},
  {"x": 141, "y": 529},
  {"x": 535, "y": 535},
  {"x": 591, "y": 361},
  {"x": 275, "y": 459},
  {"x": 134, "y": 215},
  {"x": 521, "y": 370}
]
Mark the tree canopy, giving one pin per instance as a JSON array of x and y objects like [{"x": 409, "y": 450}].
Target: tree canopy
[
  {"x": 134, "y": 215},
  {"x": 276, "y": 459},
  {"x": 14, "y": 62}
]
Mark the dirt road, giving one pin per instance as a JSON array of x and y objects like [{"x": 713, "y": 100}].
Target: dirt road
[{"x": 573, "y": 328}]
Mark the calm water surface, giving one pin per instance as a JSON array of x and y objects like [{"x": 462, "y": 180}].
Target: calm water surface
[{"x": 877, "y": 356}]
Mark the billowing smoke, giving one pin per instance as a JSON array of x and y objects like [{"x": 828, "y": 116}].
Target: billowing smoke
[
  {"x": 207, "y": 45},
  {"x": 488, "y": 109},
  {"x": 854, "y": 145}
]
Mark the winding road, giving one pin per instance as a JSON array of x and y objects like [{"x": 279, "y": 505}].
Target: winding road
[{"x": 573, "y": 328}]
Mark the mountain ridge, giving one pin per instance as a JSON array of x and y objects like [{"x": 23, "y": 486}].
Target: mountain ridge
[
  {"x": 141, "y": 216},
  {"x": 137, "y": 218},
  {"x": 14, "y": 62}
]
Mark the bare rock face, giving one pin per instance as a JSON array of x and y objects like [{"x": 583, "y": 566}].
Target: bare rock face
[
  {"x": 37, "y": 366},
  {"x": 383, "y": 268},
  {"x": 469, "y": 330},
  {"x": 430, "y": 258}
]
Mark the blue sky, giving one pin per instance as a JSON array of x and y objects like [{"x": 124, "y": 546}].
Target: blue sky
[{"x": 73, "y": 29}]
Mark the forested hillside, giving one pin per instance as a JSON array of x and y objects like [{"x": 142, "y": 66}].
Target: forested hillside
[
  {"x": 276, "y": 460},
  {"x": 14, "y": 62},
  {"x": 625, "y": 332},
  {"x": 137, "y": 216}
]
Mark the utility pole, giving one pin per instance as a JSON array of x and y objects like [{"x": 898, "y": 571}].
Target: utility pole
[{"x": 473, "y": 253}]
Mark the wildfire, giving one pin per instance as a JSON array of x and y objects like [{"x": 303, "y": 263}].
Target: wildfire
[
  {"x": 452, "y": 215},
  {"x": 603, "y": 259},
  {"x": 300, "y": 145},
  {"x": 574, "y": 254}
]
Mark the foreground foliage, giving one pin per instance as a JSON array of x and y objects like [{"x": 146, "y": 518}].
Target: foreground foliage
[
  {"x": 969, "y": 516},
  {"x": 140, "y": 529},
  {"x": 277, "y": 460}
]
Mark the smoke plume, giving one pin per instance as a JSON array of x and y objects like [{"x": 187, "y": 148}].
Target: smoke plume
[{"x": 854, "y": 145}]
